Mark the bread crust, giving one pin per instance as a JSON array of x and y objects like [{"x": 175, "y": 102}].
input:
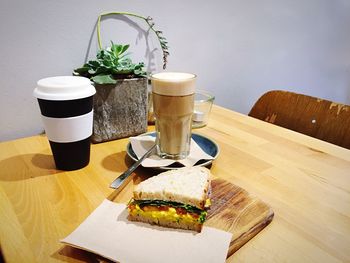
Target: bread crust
[
  {"x": 195, "y": 226},
  {"x": 184, "y": 185}
]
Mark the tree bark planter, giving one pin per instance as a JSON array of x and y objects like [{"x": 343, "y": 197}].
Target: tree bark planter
[{"x": 120, "y": 110}]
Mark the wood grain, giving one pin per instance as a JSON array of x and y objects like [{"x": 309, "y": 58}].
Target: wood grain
[
  {"x": 319, "y": 118},
  {"x": 304, "y": 180},
  {"x": 236, "y": 211}
]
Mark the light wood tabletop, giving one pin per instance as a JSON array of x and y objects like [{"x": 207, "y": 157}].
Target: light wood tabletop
[{"x": 304, "y": 180}]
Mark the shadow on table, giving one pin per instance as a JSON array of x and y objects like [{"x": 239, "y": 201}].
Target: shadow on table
[
  {"x": 113, "y": 163},
  {"x": 1, "y": 257},
  {"x": 117, "y": 162},
  {"x": 67, "y": 253},
  {"x": 26, "y": 166}
]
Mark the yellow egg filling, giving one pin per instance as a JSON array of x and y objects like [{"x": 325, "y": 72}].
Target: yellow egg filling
[
  {"x": 207, "y": 203},
  {"x": 168, "y": 215}
]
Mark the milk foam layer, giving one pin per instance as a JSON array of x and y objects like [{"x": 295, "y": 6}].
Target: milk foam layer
[{"x": 173, "y": 83}]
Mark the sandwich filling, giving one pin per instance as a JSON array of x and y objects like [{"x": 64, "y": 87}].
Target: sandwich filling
[
  {"x": 156, "y": 210},
  {"x": 176, "y": 198}
]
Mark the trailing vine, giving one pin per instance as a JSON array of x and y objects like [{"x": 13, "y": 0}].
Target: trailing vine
[{"x": 149, "y": 20}]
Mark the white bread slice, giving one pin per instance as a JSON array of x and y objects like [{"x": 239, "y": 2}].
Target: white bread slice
[{"x": 188, "y": 185}]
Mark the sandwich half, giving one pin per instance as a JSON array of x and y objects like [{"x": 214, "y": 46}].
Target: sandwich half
[{"x": 177, "y": 199}]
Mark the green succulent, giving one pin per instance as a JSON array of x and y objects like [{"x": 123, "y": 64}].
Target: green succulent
[
  {"x": 110, "y": 64},
  {"x": 113, "y": 62}
]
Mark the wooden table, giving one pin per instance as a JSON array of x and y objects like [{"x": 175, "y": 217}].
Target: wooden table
[{"x": 304, "y": 180}]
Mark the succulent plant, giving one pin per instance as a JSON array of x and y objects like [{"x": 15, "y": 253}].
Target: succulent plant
[
  {"x": 113, "y": 62},
  {"x": 110, "y": 64}
]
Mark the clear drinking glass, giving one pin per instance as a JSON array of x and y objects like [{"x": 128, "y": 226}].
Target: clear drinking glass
[
  {"x": 173, "y": 104},
  {"x": 203, "y": 101}
]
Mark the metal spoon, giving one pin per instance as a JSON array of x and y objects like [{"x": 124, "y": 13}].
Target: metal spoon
[{"x": 120, "y": 180}]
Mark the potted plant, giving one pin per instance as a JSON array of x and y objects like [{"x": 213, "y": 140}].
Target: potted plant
[{"x": 120, "y": 103}]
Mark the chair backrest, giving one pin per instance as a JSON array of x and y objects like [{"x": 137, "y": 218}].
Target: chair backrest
[{"x": 319, "y": 118}]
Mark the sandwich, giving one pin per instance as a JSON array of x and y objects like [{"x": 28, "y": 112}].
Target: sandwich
[{"x": 176, "y": 198}]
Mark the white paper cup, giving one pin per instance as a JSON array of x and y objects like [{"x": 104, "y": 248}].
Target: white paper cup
[{"x": 66, "y": 104}]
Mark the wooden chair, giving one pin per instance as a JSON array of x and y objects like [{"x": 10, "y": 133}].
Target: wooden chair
[{"x": 319, "y": 118}]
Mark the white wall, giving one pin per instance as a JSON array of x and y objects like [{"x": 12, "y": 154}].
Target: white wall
[{"x": 239, "y": 49}]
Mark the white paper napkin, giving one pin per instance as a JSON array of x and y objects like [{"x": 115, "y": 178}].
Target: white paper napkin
[
  {"x": 108, "y": 233},
  {"x": 141, "y": 144}
]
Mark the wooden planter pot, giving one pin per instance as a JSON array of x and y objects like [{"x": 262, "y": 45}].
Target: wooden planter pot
[{"x": 120, "y": 110}]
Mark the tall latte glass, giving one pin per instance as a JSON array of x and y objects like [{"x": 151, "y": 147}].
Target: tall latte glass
[{"x": 173, "y": 103}]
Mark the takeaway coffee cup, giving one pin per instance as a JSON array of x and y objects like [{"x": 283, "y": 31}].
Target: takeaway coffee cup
[
  {"x": 173, "y": 102},
  {"x": 66, "y": 109}
]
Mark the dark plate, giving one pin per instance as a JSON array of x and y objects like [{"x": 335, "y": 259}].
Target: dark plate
[{"x": 207, "y": 145}]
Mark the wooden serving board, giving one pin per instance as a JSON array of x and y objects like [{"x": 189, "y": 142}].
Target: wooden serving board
[{"x": 234, "y": 210}]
